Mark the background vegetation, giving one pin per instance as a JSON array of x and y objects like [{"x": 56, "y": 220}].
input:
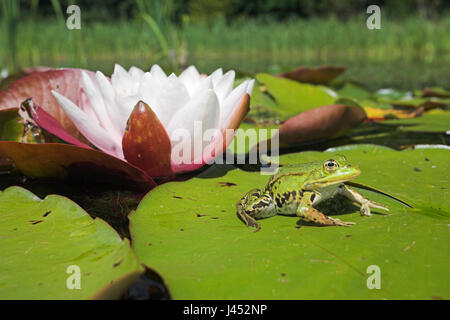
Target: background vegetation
[{"x": 244, "y": 35}]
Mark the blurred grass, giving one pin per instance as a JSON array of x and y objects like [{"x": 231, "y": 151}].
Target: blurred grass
[{"x": 255, "y": 45}]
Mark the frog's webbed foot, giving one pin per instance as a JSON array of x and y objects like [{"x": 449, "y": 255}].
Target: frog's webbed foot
[
  {"x": 342, "y": 223},
  {"x": 249, "y": 221},
  {"x": 255, "y": 205},
  {"x": 365, "y": 203}
]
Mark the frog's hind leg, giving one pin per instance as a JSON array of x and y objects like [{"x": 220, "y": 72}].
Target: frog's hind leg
[
  {"x": 306, "y": 212},
  {"x": 255, "y": 205},
  {"x": 365, "y": 203}
]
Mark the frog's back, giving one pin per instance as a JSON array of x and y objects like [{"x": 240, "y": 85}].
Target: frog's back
[
  {"x": 297, "y": 169},
  {"x": 296, "y": 172},
  {"x": 290, "y": 177}
]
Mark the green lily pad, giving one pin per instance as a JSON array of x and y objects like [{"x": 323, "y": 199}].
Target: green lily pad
[
  {"x": 10, "y": 128},
  {"x": 41, "y": 239},
  {"x": 374, "y": 104},
  {"x": 293, "y": 97},
  {"x": 259, "y": 98},
  {"x": 354, "y": 90},
  {"x": 351, "y": 102},
  {"x": 433, "y": 121},
  {"x": 249, "y": 135},
  {"x": 413, "y": 102},
  {"x": 189, "y": 233}
]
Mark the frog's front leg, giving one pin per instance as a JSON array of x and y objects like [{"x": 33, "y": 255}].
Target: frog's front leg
[
  {"x": 255, "y": 205},
  {"x": 365, "y": 203},
  {"x": 306, "y": 212}
]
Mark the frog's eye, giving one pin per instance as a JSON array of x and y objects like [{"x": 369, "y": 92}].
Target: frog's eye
[{"x": 330, "y": 165}]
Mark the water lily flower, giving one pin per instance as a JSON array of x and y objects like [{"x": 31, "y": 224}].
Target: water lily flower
[
  {"x": 124, "y": 129},
  {"x": 137, "y": 115}
]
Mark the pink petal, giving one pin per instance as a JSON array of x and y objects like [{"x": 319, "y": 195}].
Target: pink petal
[
  {"x": 50, "y": 124},
  {"x": 145, "y": 142}
]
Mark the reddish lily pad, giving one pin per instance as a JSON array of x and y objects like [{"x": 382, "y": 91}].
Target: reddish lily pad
[
  {"x": 6, "y": 82},
  {"x": 57, "y": 160},
  {"x": 146, "y": 143},
  {"x": 435, "y": 92},
  {"x": 38, "y": 86},
  {"x": 321, "y": 75},
  {"x": 320, "y": 123},
  {"x": 412, "y": 102}
]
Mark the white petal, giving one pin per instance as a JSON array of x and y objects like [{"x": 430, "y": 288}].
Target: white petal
[
  {"x": 224, "y": 86},
  {"x": 171, "y": 95},
  {"x": 201, "y": 112},
  {"x": 105, "y": 86},
  {"x": 232, "y": 100},
  {"x": 216, "y": 75},
  {"x": 157, "y": 72},
  {"x": 190, "y": 78},
  {"x": 115, "y": 113},
  {"x": 136, "y": 73},
  {"x": 98, "y": 105},
  {"x": 121, "y": 81},
  {"x": 205, "y": 84},
  {"x": 149, "y": 90},
  {"x": 89, "y": 128},
  {"x": 85, "y": 105},
  {"x": 126, "y": 105},
  {"x": 250, "y": 86}
]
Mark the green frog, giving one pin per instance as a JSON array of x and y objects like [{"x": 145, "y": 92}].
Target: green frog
[{"x": 295, "y": 190}]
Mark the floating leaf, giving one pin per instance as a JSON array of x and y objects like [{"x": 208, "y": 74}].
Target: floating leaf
[
  {"x": 293, "y": 97},
  {"x": 249, "y": 135},
  {"x": 10, "y": 127},
  {"x": 436, "y": 92},
  {"x": 320, "y": 123},
  {"x": 57, "y": 160},
  {"x": 354, "y": 90},
  {"x": 38, "y": 86},
  {"x": 41, "y": 239},
  {"x": 320, "y": 75},
  {"x": 432, "y": 121},
  {"x": 203, "y": 251},
  {"x": 374, "y": 104},
  {"x": 260, "y": 98},
  {"x": 6, "y": 82},
  {"x": 381, "y": 114},
  {"x": 427, "y": 103}
]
